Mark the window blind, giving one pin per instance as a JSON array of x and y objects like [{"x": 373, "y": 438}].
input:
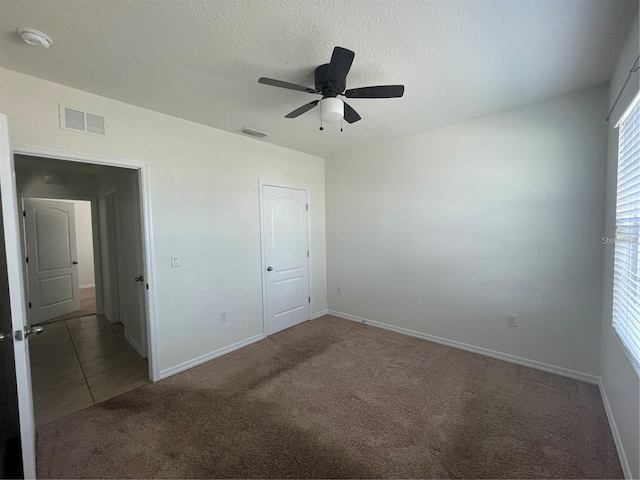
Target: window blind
[{"x": 626, "y": 278}]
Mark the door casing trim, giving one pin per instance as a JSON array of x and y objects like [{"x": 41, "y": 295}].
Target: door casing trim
[{"x": 147, "y": 231}]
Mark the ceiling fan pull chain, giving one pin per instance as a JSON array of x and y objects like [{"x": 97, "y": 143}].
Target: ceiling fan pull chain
[{"x": 341, "y": 123}]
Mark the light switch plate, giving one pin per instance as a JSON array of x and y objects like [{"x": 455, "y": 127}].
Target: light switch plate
[{"x": 175, "y": 261}]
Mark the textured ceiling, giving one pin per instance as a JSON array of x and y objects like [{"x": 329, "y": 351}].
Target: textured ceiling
[{"x": 201, "y": 60}]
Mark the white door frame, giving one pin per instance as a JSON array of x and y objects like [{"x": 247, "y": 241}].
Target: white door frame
[
  {"x": 95, "y": 233},
  {"x": 262, "y": 253},
  {"x": 147, "y": 233}
]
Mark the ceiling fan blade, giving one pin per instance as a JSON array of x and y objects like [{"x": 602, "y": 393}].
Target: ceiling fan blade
[
  {"x": 350, "y": 115},
  {"x": 341, "y": 61},
  {"x": 299, "y": 111},
  {"x": 383, "y": 91},
  {"x": 281, "y": 84}
]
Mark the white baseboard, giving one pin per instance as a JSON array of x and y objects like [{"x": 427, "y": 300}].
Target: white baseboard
[
  {"x": 89, "y": 285},
  {"x": 181, "y": 367},
  {"x": 565, "y": 372},
  {"x": 614, "y": 431},
  {"x": 136, "y": 346},
  {"x": 107, "y": 315},
  {"x": 319, "y": 314}
]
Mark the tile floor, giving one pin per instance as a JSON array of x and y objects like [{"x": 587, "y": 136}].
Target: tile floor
[{"x": 80, "y": 362}]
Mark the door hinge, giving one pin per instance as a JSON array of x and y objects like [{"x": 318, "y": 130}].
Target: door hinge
[
  {"x": 307, "y": 207},
  {"x": 24, "y": 213},
  {"x": 29, "y": 304},
  {"x": 309, "y": 299},
  {"x": 307, "y": 255},
  {"x": 27, "y": 259}
]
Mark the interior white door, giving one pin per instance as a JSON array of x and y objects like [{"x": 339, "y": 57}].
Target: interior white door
[
  {"x": 139, "y": 249},
  {"x": 286, "y": 257},
  {"x": 19, "y": 335},
  {"x": 52, "y": 267},
  {"x": 131, "y": 265}
]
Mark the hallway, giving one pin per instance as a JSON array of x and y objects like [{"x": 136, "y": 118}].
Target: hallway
[{"x": 81, "y": 362}]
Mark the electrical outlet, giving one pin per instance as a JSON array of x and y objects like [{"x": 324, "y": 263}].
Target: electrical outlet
[
  {"x": 512, "y": 320},
  {"x": 223, "y": 317},
  {"x": 175, "y": 261},
  {"x": 339, "y": 290}
]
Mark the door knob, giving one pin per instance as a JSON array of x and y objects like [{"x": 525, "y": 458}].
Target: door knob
[
  {"x": 5, "y": 335},
  {"x": 269, "y": 269},
  {"x": 139, "y": 279},
  {"x": 74, "y": 262},
  {"x": 33, "y": 331}
]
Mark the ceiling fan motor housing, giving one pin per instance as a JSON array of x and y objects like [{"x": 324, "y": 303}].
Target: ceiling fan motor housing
[{"x": 330, "y": 87}]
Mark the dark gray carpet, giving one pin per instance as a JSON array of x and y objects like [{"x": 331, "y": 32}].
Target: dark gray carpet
[{"x": 335, "y": 399}]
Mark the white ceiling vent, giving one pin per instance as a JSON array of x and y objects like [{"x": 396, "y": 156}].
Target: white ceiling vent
[
  {"x": 95, "y": 124},
  {"x": 83, "y": 122},
  {"x": 253, "y": 133}
]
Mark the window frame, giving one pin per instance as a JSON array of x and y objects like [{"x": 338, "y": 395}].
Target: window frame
[{"x": 632, "y": 351}]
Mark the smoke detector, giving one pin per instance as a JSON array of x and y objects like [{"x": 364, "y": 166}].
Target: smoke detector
[{"x": 35, "y": 37}]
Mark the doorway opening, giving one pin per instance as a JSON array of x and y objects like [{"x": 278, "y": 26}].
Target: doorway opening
[{"x": 84, "y": 251}]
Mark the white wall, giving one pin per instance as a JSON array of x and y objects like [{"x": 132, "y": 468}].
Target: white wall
[
  {"x": 446, "y": 232},
  {"x": 205, "y": 208},
  {"x": 30, "y": 173},
  {"x": 619, "y": 378}
]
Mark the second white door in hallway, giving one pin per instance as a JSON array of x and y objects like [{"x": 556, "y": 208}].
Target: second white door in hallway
[{"x": 52, "y": 267}]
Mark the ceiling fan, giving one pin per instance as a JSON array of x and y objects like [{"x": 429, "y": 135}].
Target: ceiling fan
[{"x": 331, "y": 81}]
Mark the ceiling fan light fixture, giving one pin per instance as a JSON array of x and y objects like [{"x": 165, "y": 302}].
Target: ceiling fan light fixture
[
  {"x": 32, "y": 36},
  {"x": 331, "y": 109}
]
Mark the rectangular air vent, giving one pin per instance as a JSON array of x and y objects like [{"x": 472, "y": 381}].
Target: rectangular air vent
[
  {"x": 95, "y": 124},
  {"x": 83, "y": 122},
  {"x": 253, "y": 133},
  {"x": 73, "y": 119}
]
